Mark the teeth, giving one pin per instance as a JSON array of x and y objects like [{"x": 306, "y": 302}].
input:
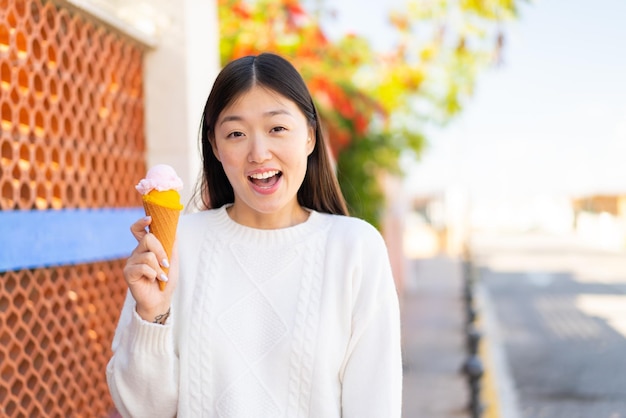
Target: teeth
[{"x": 265, "y": 175}]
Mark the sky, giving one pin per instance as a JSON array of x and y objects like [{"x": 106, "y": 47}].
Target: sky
[{"x": 550, "y": 120}]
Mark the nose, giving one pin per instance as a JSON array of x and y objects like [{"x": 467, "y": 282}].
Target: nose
[{"x": 259, "y": 149}]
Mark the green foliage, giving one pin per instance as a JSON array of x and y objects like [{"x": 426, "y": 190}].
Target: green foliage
[
  {"x": 376, "y": 105},
  {"x": 362, "y": 165}
]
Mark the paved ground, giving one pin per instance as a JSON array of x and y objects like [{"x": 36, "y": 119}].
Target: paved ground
[
  {"x": 561, "y": 312},
  {"x": 433, "y": 342}
]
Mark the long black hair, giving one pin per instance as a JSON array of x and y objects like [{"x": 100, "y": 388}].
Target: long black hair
[{"x": 320, "y": 189}]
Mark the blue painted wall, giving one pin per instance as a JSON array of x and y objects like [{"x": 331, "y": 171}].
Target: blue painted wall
[{"x": 31, "y": 239}]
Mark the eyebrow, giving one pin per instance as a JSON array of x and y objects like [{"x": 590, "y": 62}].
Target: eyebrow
[{"x": 269, "y": 113}]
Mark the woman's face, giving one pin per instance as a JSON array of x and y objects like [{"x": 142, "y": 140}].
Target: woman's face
[{"x": 263, "y": 140}]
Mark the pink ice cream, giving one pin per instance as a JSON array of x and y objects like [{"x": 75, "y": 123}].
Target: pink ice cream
[{"x": 161, "y": 177}]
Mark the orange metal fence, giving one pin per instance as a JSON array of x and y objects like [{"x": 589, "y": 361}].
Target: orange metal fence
[
  {"x": 56, "y": 330},
  {"x": 71, "y": 136}
]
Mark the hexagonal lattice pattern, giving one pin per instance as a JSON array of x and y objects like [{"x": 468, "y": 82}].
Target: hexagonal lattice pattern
[
  {"x": 71, "y": 136},
  {"x": 71, "y": 110},
  {"x": 55, "y": 340}
]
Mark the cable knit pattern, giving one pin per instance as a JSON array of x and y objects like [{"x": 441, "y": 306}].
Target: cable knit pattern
[
  {"x": 252, "y": 343},
  {"x": 263, "y": 325},
  {"x": 305, "y": 330},
  {"x": 203, "y": 294}
]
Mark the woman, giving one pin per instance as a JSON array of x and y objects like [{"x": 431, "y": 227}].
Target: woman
[{"x": 278, "y": 304}]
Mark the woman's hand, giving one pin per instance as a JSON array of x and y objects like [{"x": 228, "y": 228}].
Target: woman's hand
[{"x": 143, "y": 269}]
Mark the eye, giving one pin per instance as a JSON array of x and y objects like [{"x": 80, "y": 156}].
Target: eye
[
  {"x": 235, "y": 134},
  {"x": 278, "y": 129}
]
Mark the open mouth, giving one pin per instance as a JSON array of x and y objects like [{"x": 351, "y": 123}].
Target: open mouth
[{"x": 266, "y": 179}]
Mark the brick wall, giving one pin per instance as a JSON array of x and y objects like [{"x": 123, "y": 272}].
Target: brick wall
[{"x": 71, "y": 139}]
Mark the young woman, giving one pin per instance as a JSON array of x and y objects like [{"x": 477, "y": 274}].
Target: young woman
[{"x": 278, "y": 304}]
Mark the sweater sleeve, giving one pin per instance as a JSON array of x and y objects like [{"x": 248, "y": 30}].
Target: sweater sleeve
[
  {"x": 372, "y": 372},
  {"x": 142, "y": 374}
]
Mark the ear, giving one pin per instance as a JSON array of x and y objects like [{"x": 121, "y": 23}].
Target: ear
[{"x": 310, "y": 141}]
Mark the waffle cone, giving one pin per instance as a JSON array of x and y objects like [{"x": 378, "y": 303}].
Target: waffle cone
[{"x": 163, "y": 226}]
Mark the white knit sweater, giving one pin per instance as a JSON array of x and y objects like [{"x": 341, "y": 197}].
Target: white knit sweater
[{"x": 294, "y": 322}]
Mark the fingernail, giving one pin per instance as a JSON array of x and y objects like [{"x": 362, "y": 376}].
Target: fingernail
[
  {"x": 147, "y": 218},
  {"x": 165, "y": 263},
  {"x": 163, "y": 277}
]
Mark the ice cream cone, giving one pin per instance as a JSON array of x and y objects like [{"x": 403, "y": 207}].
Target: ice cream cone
[
  {"x": 163, "y": 226},
  {"x": 161, "y": 201}
]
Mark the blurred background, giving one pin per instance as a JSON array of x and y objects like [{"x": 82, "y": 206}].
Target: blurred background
[{"x": 484, "y": 138}]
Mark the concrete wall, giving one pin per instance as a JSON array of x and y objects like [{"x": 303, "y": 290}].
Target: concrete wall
[{"x": 179, "y": 74}]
